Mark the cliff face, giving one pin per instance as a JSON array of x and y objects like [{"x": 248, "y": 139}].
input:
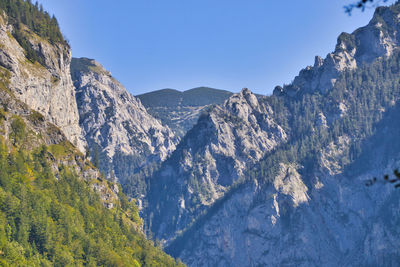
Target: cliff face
[
  {"x": 212, "y": 156},
  {"x": 116, "y": 125},
  {"x": 36, "y": 131},
  {"x": 45, "y": 88}
]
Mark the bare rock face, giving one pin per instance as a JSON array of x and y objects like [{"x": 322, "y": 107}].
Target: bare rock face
[
  {"x": 114, "y": 122},
  {"x": 334, "y": 228},
  {"x": 212, "y": 157},
  {"x": 46, "y": 88},
  {"x": 378, "y": 39}
]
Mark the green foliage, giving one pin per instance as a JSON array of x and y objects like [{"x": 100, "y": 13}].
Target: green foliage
[
  {"x": 4, "y": 79},
  {"x": 2, "y": 115},
  {"x": 49, "y": 221},
  {"x": 17, "y": 133},
  {"x": 36, "y": 117},
  {"x": 23, "y": 13}
]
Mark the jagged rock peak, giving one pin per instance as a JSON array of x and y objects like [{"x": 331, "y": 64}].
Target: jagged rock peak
[
  {"x": 113, "y": 120},
  {"x": 243, "y": 104},
  {"x": 377, "y": 39},
  {"x": 210, "y": 158}
]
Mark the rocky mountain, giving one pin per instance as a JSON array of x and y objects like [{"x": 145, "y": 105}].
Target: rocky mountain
[
  {"x": 211, "y": 157},
  {"x": 305, "y": 202},
  {"x": 122, "y": 137},
  {"x": 56, "y": 208},
  {"x": 45, "y": 87},
  {"x": 181, "y": 110},
  {"x": 378, "y": 38}
]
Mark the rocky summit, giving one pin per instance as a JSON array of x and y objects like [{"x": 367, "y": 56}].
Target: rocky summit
[{"x": 366, "y": 44}]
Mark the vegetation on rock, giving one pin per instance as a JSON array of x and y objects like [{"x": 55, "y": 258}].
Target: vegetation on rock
[{"x": 22, "y": 14}]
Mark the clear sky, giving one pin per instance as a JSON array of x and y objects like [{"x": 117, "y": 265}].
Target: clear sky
[{"x": 228, "y": 44}]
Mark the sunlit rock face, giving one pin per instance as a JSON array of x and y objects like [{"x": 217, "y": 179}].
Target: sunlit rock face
[
  {"x": 115, "y": 123},
  {"x": 47, "y": 87}
]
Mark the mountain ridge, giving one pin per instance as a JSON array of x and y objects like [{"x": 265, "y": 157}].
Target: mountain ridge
[
  {"x": 181, "y": 110},
  {"x": 305, "y": 202}
]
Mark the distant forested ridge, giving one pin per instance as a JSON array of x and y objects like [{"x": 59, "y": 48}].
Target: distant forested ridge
[{"x": 181, "y": 110}]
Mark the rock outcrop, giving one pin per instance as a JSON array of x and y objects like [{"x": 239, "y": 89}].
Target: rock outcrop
[{"x": 59, "y": 150}]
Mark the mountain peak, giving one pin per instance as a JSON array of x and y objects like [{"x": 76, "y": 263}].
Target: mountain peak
[{"x": 366, "y": 44}]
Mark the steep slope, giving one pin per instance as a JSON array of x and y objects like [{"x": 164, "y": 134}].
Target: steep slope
[
  {"x": 305, "y": 203},
  {"x": 55, "y": 207},
  {"x": 181, "y": 110},
  {"x": 45, "y": 85},
  {"x": 122, "y": 137},
  {"x": 213, "y": 155}
]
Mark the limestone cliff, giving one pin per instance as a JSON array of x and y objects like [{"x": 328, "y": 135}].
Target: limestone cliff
[
  {"x": 45, "y": 87},
  {"x": 116, "y": 125}
]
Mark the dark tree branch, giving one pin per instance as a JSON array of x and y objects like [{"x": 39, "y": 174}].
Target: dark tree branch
[
  {"x": 362, "y": 4},
  {"x": 386, "y": 179}
]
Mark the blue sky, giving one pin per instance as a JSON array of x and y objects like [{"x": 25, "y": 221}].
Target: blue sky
[{"x": 182, "y": 44}]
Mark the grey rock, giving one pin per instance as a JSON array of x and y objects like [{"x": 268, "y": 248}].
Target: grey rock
[
  {"x": 115, "y": 122},
  {"x": 46, "y": 88},
  {"x": 377, "y": 39},
  {"x": 211, "y": 158}
]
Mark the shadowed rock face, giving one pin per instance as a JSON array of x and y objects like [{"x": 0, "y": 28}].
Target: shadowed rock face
[
  {"x": 209, "y": 159},
  {"x": 46, "y": 88},
  {"x": 115, "y": 123}
]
